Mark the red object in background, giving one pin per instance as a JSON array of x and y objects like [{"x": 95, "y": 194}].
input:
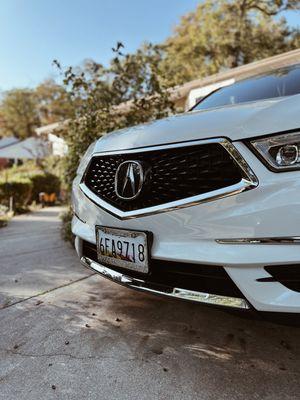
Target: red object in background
[{"x": 3, "y": 163}]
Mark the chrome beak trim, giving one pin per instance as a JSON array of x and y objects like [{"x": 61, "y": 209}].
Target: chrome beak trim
[{"x": 190, "y": 295}]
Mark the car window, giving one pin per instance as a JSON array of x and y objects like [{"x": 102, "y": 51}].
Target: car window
[{"x": 278, "y": 83}]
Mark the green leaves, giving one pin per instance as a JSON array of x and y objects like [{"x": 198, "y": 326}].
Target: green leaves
[
  {"x": 226, "y": 34},
  {"x": 23, "y": 110},
  {"x": 19, "y": 115},
  {"x": 127, "y": 92}
]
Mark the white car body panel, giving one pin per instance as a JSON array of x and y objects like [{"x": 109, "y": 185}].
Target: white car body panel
[{"x": 237, "y": 122}]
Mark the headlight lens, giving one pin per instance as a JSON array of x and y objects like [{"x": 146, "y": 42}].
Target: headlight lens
[
  {"x": 281, "y": 152},
  {"x": 86, "y": 158}
]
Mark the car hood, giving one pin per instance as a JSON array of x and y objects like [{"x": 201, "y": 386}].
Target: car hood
[{"x": 235, "y": 122}]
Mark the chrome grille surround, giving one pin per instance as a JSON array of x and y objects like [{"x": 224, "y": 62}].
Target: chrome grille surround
[{"x": 248, "y": 180}]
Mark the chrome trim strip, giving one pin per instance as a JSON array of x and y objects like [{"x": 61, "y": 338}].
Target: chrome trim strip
[
  {"x": 77, "y": 216},
  {"x": 270, "y": 241},
  {"x": 174, "y": 205},
  {"x": 141, "y": 285},
  {"x": 160, "y": 147},
  {"x": 249, "y": 181}
]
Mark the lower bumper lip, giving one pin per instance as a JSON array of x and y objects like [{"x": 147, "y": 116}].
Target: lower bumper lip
[
  {"x": 270, "y": 240},
  {"x": 184, "y": 294}
]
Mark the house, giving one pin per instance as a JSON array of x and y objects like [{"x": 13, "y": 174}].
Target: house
[{"x": 57, "y": 145}]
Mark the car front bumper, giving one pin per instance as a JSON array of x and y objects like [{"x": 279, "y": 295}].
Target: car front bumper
[
  {"x": 231, "y": 232},
  {"x": 165, "y": 290}
]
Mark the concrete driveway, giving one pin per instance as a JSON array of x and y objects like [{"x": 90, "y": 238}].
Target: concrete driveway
[{"x": 68, "y": 334}]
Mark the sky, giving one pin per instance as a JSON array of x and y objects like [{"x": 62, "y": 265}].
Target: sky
[{"x": 34, "y": 32}]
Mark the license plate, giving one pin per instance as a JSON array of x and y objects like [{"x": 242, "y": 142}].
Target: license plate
[{"x": 122, "y": 248}]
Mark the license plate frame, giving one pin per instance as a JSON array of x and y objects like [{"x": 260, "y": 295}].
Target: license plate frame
[{"x": 119, "y": 234}]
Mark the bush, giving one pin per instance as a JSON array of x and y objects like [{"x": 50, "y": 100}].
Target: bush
[
  {"x": 24, "y": 183},
  {"x": 5, "y": 215},
  {"x": 44, "y": 182},
  {"x": 3, "y": 209},
  {"x": 19, "y": 188},
  {"x": 66, "y": 230}
]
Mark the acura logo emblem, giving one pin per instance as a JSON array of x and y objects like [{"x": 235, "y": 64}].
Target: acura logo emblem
[{"x": 129, "y": 180}]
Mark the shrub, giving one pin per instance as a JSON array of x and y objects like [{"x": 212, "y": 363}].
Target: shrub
[
  {"x": 24, "y": 183},
  {"x": 3, "y": 209},
  {"x": 44, "y": 182},
  {"x": 20, "y": 188},
  {"x": 66, "y": 230},
  {"x": 5, "y": 215}
]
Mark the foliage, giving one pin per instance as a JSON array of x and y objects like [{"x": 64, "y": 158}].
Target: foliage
[
  {"x": 54, "y": 103},
  {"x": 66, "y": 230},
  {"x": 19, "y": 116},
  {"x": 24, "y": 183},
  {"x": 3, "y": 210},
  {"x": 5, "y": 215},
  {"x": 131, "y": 80},
  {"x": 4, "y": 219},
  {"x": 23, "y": 110},
  {"x": 226, "y": 34},
  {"x": 55, "y": 166},
  {"x": 44, "y": 182},
  {"x": 50, "y": 164},
  {"x": 20, "y": 188}
]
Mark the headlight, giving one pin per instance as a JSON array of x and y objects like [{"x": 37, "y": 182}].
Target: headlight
[
  {"x": 281, "y": 152},
  {"x": 86, "y": 159}
]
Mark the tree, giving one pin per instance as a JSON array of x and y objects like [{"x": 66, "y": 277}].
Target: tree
[
  {"x": 226, "y": 34},
  {"x": 53, "y": 102},
  {"x": 126, "y": 93},
  {"x": 23, "y": 110},
  {"x": 19, "y": 116}
]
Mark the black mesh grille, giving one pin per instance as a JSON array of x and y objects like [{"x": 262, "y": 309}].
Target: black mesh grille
[{"x": 172, "y": 174}]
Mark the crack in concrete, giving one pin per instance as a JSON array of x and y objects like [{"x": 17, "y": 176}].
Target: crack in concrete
[
  {"x": 72, "y": 356},
  {"x": 45, "y": 292}
]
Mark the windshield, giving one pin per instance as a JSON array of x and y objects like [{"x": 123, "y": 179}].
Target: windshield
[{"x": 277, "y": 83}]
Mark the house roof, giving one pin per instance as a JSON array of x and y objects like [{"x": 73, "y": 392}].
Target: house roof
[
  {"x": 31, "y": 148},
  {"x": 8, "y": 141}
]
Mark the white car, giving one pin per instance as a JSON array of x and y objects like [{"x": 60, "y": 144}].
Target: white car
[{"x": 203, "y": 206}]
